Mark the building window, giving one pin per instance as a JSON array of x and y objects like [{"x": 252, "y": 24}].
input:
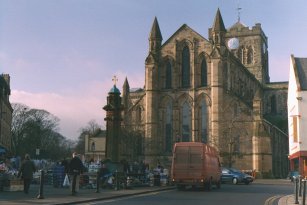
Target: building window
[
  {"x": 168, "y": 79},
  {"x": 295, "y": 137},
  {"x": 204, "y": 115},
  {"x": 250, "y": 55},
  {"x": 186, "y": 119},
  {"x": 185, "y": 67},
  {"x": 139, "y": 114},
  {"x": 273, "y": 104},
  {"x": 93, "y": 146},
  {"x": 204, "y": 81},
  {"x": 236, "y": 148},
  {"x": 168, "y": 129}
]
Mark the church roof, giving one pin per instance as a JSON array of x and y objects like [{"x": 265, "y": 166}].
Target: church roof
[
  {"x": 183, "y": 27},
  {"x": 301, "y": 67},
  {"x": 155, "y": 30},
  {"x": 218, "y": 24},
  {"x": 237, "y": 25}
]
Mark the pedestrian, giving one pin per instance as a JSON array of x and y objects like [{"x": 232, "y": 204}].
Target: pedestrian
[
  {"x": 75, "y": 169},
  {"x": 26, "y": 172}
]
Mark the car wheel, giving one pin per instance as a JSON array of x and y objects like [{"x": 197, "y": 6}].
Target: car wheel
[{"x": 235, "y": 181}]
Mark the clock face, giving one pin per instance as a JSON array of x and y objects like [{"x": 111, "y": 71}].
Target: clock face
[{"x": 233, "y": 43}]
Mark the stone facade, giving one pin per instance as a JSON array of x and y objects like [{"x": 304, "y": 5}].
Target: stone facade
[
  {"x": 207, "y": 90},
  {"x": 5, "y": 113}
]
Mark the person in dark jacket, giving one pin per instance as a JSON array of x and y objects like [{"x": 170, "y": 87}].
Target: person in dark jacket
[
  {"x": 26, "y": 171},
  {"x": 75, "y": 169}
]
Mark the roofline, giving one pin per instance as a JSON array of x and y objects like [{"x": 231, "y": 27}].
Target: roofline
[{"x": 295, "y": 73}]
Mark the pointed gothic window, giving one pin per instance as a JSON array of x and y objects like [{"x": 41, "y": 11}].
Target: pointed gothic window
[
  {"x": 203, "y": 68},
  {"x": 168, "y": 78},
  {"x": 240, "y": 54},
  {"x": 186, "y": 119},
  {"x": 138, "y": 115},
  {"x": 168, "y": 128},
  {"x": 250, "y": 55},
  {"x": 273, "y": 104},
  {"x": 185, "y": 67},
  {"x": 204, "y": 115},
  {"x": 93, "y": 146}
]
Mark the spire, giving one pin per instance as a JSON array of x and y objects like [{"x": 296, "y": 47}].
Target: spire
[
  {"x": 155, "y": 38},
  {"x": 126, "y": 86},
  {"x": 155, "y": 31},
  {"x": 218, "y": 24}
]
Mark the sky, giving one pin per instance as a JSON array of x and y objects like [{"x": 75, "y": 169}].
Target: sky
[{"x": 61, "y": 55}]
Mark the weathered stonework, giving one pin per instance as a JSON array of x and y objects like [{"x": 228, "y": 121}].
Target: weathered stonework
[{"x": 226, "y": 106}]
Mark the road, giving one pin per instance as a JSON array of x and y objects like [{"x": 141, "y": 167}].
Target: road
[{"x": 253, "y": 194}]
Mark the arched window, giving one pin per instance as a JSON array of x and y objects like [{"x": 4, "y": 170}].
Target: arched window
[
  {"x": 204, "y": 81},
  {"x": 168, "y": 75},
  {"x": 250, "y": 55},
  {"x": 204, "y": 129},
  {"x": 185, "y": 67},
  {"x": 168, "y": 128},
  {"x": 236, "y": 148},
  {"x": 93, "y": 146},
  {"x": 273, "y": 104},
  {"x": 138, "y": 114},
  {"x": 186, "y": 120},
  {"x": 241, "y": 54}
]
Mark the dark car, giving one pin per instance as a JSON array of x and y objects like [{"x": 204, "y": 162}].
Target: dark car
[{"x": 234, "y": 176}]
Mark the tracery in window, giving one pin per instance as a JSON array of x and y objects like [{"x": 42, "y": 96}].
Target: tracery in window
[{"x": 186, "y": 120}]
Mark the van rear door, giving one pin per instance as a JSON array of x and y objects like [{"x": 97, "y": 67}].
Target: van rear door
[
  {"x": 196, "y": 162},
  {"x": 181, "y": 162},
  {"x": 188, "y": 162}
]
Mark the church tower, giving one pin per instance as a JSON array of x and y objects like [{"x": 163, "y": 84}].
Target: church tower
[
  {"x": 151, "y": 88},
  {"x": 250, "y": 48}
]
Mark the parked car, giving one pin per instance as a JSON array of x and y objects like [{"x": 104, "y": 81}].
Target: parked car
[
  {"x": 234, "y": 176},
  {"x": 292, "y": 175}
]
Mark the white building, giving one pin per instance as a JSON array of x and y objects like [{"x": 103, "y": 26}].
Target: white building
[{"x": 297, "y": 114}]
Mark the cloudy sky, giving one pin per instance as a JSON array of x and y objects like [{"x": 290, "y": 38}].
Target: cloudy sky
[{"x": 62, "y": 54}]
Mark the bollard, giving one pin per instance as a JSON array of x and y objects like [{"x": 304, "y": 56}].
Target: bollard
[
  {"x": 97, "y": 182},
  {"x": 41, "y": 186},
  {"x": 304, "y": 191},
  {"x": 296, "y": 190},
  {"x": 300, "y": 186}
]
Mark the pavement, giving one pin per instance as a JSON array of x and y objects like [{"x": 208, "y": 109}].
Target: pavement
[{"x": 55, "y": 196}]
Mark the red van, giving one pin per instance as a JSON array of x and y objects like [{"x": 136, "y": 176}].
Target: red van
[{"x": 195, "y": 164}]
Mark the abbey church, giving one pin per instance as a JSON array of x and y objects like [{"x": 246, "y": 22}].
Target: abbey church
[{"x": 214, "y": 90}]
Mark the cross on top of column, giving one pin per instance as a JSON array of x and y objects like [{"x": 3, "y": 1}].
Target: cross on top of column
[{"x": 114, "y": 79}]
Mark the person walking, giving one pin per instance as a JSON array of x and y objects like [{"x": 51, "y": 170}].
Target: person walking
[
  {"x": 75, "y": 169},
  {"x": 26, "y": 171}
]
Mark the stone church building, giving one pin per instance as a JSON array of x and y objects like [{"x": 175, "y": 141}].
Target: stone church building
[{"x": 214, "y": 90}]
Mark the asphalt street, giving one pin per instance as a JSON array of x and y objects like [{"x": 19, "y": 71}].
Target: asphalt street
[{"x": 254, "y": 194}]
